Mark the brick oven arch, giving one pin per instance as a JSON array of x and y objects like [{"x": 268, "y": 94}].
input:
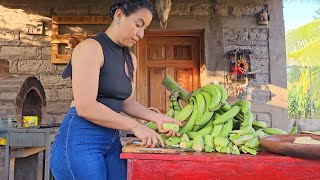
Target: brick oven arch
[
  {"x": 31, "y": 100},
  {"x": 22, "y": 96}
]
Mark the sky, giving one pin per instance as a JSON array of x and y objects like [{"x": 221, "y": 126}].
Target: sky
[{"x": 297, "y": 14}]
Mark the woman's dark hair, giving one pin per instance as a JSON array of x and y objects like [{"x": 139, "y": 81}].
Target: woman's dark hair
[{"x": 129, "y": 7}]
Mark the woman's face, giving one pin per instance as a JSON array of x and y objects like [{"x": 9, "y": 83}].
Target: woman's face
[{"x": 132, "y": 27}]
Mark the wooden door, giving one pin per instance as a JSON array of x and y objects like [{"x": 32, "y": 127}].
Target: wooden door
[{"x": 158, "y": 55}]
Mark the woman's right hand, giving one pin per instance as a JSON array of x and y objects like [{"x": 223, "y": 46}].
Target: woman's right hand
[{"x": 149, "y": 137}]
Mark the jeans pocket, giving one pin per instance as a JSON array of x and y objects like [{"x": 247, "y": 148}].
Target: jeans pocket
[
  {"x": 115, "y": 136},
  {"x": 54, "y": 145}
]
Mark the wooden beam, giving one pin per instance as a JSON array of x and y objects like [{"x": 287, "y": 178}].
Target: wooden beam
[
  {"x": 193, "y": 33},
  {"x": 64, "y": 38},
  {"x": 25, "y": 152},
  {"x": 81, "y": 20}
]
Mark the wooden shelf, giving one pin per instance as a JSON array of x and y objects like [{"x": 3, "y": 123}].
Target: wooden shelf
[
  {"x": 57, "y": 38},
  {"x": 25, "y": 152}
]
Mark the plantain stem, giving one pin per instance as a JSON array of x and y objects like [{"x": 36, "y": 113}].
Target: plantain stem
[{"x": 171, "y": 86}]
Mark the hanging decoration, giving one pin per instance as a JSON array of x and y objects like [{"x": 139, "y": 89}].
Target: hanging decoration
[
  {"x": 237, "y": 80},
  {"x": 163, "y": 8},
  {"x": 263, "y": 16},
  {"x": 242, "y": 66}
]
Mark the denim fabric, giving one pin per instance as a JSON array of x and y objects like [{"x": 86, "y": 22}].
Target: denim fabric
[{"x": 84, "y": 150}]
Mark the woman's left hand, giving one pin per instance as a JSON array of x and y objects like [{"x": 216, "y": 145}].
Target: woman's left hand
[{"x": 167, "y": 119}]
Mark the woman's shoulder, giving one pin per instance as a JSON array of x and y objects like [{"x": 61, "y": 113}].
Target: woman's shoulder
[
  {"x": 88, "y": 49},
  {"x": 88, "y": 43}
]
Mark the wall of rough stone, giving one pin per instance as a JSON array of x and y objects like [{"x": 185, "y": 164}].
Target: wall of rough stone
[
  {"x": 227, "y": 24},
  {"x": 30, "y": 54},
  {"x": 268, "y": 90}
]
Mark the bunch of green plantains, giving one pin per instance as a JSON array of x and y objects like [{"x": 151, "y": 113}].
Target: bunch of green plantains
[{"x": 213, "y": 125}]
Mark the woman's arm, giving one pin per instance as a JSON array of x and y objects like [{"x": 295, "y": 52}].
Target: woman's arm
[{"x": 135, "y": 109}]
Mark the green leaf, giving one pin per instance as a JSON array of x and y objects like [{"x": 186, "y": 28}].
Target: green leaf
[
  {"x": 308, "y": 55},
  {"x": 302, "y": 37}
]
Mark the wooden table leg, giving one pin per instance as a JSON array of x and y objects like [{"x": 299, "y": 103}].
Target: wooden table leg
[
  {"x": 47, "y": 158},
  {"x": 11, "y": 171},
  {"x": 129, "y": 169},
  {"x": 7, "y": 159}
]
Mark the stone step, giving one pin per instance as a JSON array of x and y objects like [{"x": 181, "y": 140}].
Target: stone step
[
  {"x": 7, "y": 108},
  {"x": 8, "y": 96},
  {"x": 4, "y": 88},
  {"x": 7, "y": 103},
  {"x": 7, "y": 112},
  {"x": 13, "y": 82},
  {"x": 58, "y": 107},
  {"x": 14, "y": 78}
]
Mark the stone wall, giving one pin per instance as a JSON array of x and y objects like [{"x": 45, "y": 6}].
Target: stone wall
[
  {"x": 227, "y": 24},
  {"x": 30, "y": 54},
  {"x": 236, "y": 27}
]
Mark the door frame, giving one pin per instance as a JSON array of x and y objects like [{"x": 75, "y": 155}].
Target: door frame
[{"x": 185, "y": 33}]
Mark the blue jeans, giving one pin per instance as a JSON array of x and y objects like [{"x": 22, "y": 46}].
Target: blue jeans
[{"x": 84, "y": 150}]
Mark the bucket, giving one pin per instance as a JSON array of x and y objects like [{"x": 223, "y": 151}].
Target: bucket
[{"x": 6, "y": 123}]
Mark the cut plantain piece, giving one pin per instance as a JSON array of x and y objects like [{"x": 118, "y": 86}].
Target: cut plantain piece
[{"x": 305, "y": 140}]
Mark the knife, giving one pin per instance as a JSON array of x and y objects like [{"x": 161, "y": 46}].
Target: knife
[{"x": 135, "y": 142}]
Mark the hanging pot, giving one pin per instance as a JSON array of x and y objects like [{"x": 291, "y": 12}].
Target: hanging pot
[{"x": 263, "y": 18}]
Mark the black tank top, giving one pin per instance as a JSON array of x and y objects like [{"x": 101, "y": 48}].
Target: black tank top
[{"x": 114, "y": 85}]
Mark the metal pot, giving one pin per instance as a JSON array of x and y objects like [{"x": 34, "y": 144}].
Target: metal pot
[{"x": 6, "y": 123}]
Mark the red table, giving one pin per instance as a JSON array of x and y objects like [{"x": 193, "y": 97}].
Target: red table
[{"x": 219, "y": 166}]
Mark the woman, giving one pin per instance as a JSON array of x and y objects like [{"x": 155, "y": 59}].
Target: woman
[{"x": 103, "y": 70}]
